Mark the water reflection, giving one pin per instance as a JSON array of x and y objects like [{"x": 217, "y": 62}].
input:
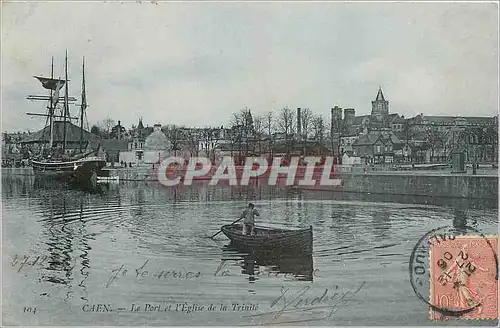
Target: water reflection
[
  {"x": 342, "y": 217},
  {"x": 14, "y": 185},
  {"x": 138, "y": 198},
  {"x": 59, "y": 241},
  {"x": 460, "y": 221},
  {"x": 84, "y": 247},
  {"x": 66, "y": 239},
  {"x": 381, "y": 222},
  {"x": 52, "y": 184},
  {"x": 86, "y": 235},
  {"x": 258, "y": 265}
]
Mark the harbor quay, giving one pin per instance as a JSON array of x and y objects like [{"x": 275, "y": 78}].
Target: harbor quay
[{"x": 438, "y": 183}]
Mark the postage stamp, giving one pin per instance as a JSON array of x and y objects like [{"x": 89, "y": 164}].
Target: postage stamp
[{"x": 462, "y": 276}]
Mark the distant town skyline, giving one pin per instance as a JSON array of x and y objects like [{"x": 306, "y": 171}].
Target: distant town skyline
[{"x": 195, "y": 64}]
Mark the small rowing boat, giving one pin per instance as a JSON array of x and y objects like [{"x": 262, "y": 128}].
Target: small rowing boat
[{"x": 270, "y": 239}]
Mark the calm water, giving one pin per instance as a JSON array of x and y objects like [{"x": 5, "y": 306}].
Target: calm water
[{"x": 134, "y": 243}]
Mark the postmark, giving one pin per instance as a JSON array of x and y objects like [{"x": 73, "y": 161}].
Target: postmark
[
  {"x": 446, "y": 256},
  {"x": 462, "y": 276}
]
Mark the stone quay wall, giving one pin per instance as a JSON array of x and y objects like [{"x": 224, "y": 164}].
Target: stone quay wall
[
  {"x": 17, "y": 171},
  {"x": 431, "y": 184}
]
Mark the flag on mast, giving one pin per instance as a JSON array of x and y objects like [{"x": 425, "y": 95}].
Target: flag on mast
[
  {"x": 55, "y": 96},
  {"x": 50, "y": 84}
]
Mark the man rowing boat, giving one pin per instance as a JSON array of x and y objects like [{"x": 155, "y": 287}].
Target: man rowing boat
[{"x": 249, "y": 219}]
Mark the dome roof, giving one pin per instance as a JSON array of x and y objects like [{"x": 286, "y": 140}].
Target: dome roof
[{"x": 157, "y": 140}]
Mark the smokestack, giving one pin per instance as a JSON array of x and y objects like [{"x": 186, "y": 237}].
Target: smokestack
[
  {"x": 336, "y": 113},
  {"x": 349, "y": 114},
  {"x": 299, "y": 123}
]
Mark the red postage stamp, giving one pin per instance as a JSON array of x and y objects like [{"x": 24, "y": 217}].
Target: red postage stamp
[{"x": 463, "y": 277}]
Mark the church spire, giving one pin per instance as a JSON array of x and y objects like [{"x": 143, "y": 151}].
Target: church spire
[
  {"x": 380, "y": 106},
  {"x": 380, "y": 95},
  {"x": 140, "y": 129}
]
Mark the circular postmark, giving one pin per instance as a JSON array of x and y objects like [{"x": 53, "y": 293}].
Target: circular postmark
[{"x": 447, "y": 269}]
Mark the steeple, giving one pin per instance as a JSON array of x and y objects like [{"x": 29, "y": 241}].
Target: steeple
[
  {"x": 140, "y": 129},
  {"x": 380, "y": 95},
  {"x": 380, "y": 106}
]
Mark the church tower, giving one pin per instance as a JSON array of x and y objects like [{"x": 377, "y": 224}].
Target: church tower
[{"x": 380, "y": 107}]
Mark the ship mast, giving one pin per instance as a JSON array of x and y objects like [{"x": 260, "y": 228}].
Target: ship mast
[
  {"x": 54, "y": 85},
  {"x": 66, "y": 103},
  {"x": 51, "y": 108},
  {"x": 83, "y": 105}
]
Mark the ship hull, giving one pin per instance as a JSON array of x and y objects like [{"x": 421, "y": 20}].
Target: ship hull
[{"x": 82, "y": 171}]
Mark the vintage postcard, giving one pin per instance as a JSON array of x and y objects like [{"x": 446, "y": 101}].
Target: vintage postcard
[{"x": 239, "y": 163}]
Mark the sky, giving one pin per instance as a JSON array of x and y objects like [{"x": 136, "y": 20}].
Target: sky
[{"x": 195, "y": 64}]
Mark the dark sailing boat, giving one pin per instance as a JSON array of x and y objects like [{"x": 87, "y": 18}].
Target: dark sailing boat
[{"x": 58, "y": 160}]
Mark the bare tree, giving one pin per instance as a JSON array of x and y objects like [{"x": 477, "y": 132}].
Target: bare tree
[
  {"x": 236, "y": 135},
  {"x": 192, "y": 139},
  {"x": 332, "y": 136},
  {"x": 174, "y": 135},
  {"x": 105, "y": 126},
  {"x": 269, "y": 128},
  {"x": 306, "y": 120},
  {"x": 248, "y": 130},
  {"x": 286, "y": 125},
  {"x": 318, "y": 132},
  {"x": 243, "y": 123},
  {"x": 258, "y": 131},
  {"x": 434, "y": 139},
  {"x": 209, "y": 141},
  {"x": 306, "y": 117}
]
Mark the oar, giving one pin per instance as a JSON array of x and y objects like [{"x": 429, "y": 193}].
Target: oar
[{"x": 218, "y": 232}]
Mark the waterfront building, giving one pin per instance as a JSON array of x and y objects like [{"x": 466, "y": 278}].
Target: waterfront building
[
  {"x": 377, "y": 147},
  {"x": 380, "y": 118},
  {"x": 346, "y": 143},
  {"x": 112, "y": 148},
  {"x": 34, "y": 143},
  {"x": 137, "y": 136},
  {"x": 118, "y": 132},
  {"x": 440, "y": 136},
  {"x": 425, "y": 139},
  {"x": 154, "y": 148},
  {"x": 13, "y": 151}
]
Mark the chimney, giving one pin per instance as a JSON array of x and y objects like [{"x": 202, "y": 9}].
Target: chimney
[
  {"x": 299, "y": 123},
  {"x": 336, "y": 118},
  {"x": 119, "y": 130},
  {"x": 332, "y": 119},
  {"x": 349, "y": 114}
]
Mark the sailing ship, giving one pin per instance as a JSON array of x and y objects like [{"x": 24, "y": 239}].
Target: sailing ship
[{"x": 57, "y": 160}]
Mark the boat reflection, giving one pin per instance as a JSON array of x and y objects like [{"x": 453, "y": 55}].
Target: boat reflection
[
  {"x": 47, "y": 183},
  {"x": 65, "y": 244},
  {"x": 283, "y": 265}
]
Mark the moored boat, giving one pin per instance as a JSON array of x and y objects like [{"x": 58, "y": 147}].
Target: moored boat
[
  {"x": 84, "y": 169},
  {"x": 64, "y": 159},
  {"x": 270, "y": 240}
]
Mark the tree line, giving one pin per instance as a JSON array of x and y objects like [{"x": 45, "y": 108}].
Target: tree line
[
  {"x": 246, "y": 133},
  {"x": 280, "y": 131}
]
